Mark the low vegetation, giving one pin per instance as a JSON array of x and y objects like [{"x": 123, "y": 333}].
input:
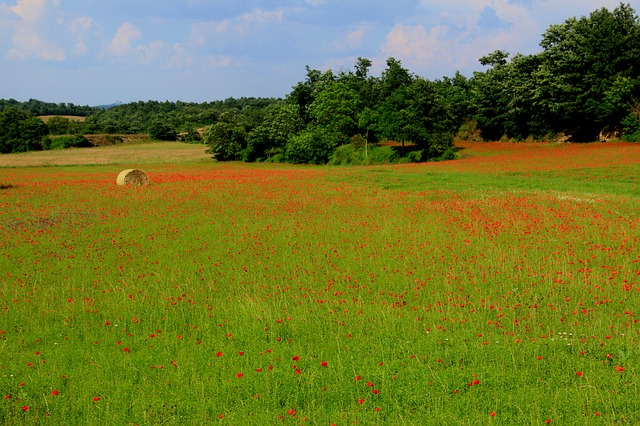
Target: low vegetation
[{"x": 499, "y": 288}]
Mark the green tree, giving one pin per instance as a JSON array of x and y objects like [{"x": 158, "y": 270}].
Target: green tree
[
  {"x": 588, "y": 63},
  {"x": 313, "y": 146},
  {"x": 282, "y": 122},
  {"x": 227, "y": 138},
  {"x": 162, "y": 131},
  {"x": 20, "y": 131},
  {"x": 62, "y": 126},
  {"x": 337, "y": 108}
]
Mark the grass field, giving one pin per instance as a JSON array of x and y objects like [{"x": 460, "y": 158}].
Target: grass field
[{"x": 502, "y": 288}]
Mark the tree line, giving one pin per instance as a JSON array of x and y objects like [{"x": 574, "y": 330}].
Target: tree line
[{"x": 583, "y": 85}]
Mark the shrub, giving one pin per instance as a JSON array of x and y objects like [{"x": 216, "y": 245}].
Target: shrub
[
  {"x": 313, "y": 146},
  {"x": 382, "y": 155},
  {"x": 63, "y": 142},
  {"x": 346, "y": 155}
]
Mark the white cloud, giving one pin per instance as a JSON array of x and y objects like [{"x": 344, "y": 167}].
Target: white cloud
[
  {"x": 27, "y": 41},
  {"x": 30, "y": 10},
  {"x": 180, "y": 58},
  {"x": 456, "y": 41},
  {"x": 355, "y": 37},
  {"x": 246, "y": 23},
  {"x": 81, "y": 24},
  {"x": 125, "y": 35}
]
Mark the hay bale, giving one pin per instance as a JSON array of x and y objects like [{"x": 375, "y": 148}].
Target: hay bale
[{"x": 132, "y": 177}]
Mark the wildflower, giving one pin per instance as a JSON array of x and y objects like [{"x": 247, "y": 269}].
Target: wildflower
[
  {"x": 291, "y": 412},
  {"x": 295, "y": 358},
  {"x": 618, "y": 368},
  {"x": 239, "y": 375},
  {"x": 375, "y": 391},
  {"x": 95, "y": 399},
  {"x": 54, "y": 393},
  {"x": 492, "y": 414},
  {"x": 218, "y": 354},
  {"x": 324, "y": 363},
  {"x": 579, "y": 373},
  {"x": 25, "y": 408},
  {"x": 361, "y": 401}
]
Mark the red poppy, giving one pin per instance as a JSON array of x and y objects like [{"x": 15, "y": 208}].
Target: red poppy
[
  {"x": 218, "y": 354},
  {"x": 95, "y": 398},
  {"x": 55, "y": 393},
  {"x": 295, "y": 358},
  {"x": 618, "y": 368},
  {"x": 324, "y": 363},
  {"x": 25, "y": 408},
  {"x": 239, "y": 375},
  {"x": 361, "y": 401},
  {"x": 579, "y": 373},
  {"x": 291, "y": 412}
]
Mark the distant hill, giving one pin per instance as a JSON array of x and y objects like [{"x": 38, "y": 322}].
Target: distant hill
[{"x": 115, "y": 104}]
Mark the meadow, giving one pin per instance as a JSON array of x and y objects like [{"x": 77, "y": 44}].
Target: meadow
[{"x": 500, "y": 288}]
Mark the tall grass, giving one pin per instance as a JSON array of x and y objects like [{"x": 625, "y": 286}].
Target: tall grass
[{"x": 449, "y": 293}]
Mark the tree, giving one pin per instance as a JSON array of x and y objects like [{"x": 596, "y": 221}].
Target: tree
[
  {"x": 226, "y": 138},
  {"x": 20, "y": 131},
  {"x": 592, "y": 66},
  {"x": 61, "y": 126},
  {"x": 162, "y": 131},
  {"x": 283, "y": 121},
  {"x": 313, "y": 146},
  {"x": 336, "y": 107}
]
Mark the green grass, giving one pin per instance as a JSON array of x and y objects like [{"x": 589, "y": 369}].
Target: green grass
[{"x": 417, "y": 280}]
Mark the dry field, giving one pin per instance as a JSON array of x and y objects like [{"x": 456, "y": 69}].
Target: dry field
[{"x": 154, "y": 152}]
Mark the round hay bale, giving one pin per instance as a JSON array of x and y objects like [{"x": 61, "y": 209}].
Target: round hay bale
[{"x": 132, "y": 177}]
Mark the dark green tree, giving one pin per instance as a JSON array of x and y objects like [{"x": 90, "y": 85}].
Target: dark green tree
[
  {"x": 162, "y": 131},
  {"x": 20, "y": 131},
  {"x": 591, "y": 66}
]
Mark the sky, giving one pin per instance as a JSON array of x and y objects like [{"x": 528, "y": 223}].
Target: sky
[{"x": 96, "y": 52}]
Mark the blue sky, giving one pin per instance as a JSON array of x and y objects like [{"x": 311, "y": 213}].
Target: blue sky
[{"x": 101, "y": 51}]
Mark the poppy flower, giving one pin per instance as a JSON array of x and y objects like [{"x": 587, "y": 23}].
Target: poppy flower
[
  {"x": 239, "y": 375},
  {"x": 25, "y": 408},
  {"x": 324, "y": 363},
  {"x": 55, "y": 392}
]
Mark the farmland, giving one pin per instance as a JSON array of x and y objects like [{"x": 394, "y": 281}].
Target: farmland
[{"x": 501, "y": 288}]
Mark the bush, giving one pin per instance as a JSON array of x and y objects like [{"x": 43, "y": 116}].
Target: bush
[
  {"x": 346, "y": 155},
  {"x": 313, "y": 146},
  {"x": 631, "y": 128},
  {"x": 63, "y": 142},
  {"x": 415, "y": 156},
  {"x": 382, "y": 155},
  {"x": 162, "y": 131},
  {"x": 439, "y": 143}
]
